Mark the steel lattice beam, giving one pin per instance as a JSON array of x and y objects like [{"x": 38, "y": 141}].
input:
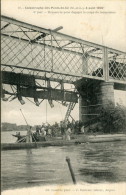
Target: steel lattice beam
[
  {"x": 48, "y": 32},
  {"x": 61, "y": 57}
]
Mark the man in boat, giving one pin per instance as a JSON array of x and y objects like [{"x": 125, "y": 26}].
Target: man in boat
[
  {"x": 18, "y": 133},
  {"x": 49, "y": 132},
  {"x": 20, "y": 138},
  {"x": 82, "y": 129},
  {"x": 43, "y": 131},
  {"x": 29, "y": 135},
  {"x": 68, "y": 133},
  {"x": 36, "y": 134},
  {"x": 63, "y": 129},
  {"x": 37, "y": 129}
]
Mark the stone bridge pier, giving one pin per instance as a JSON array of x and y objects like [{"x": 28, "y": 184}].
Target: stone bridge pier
[{"x": 94, "y": 95}]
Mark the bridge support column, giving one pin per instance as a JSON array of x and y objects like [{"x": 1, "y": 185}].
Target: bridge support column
[
  {"x": 106, "y": 94},
  {"x": 94, "y": 96}
]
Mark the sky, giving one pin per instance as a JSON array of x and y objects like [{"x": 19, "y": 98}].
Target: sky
[{"x": 106, "y": 29}]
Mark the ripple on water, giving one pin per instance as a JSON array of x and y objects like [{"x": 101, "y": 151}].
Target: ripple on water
[{"x": 92, "y": 163}]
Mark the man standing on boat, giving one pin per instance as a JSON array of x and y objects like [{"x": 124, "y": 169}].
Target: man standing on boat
[
  {"x": 43, "y": 131},
  {"x": 82, "y": 129},
  {"x": 68, "y": 133},
  {"x": 29, "y": 135}
]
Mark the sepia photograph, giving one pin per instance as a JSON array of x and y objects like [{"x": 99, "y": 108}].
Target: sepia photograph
[{"x": 63, "y": 97}]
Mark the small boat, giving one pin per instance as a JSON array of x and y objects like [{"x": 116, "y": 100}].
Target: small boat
[
  {"x": 20, "y": 138},
  {"x": 35, "y": 138}
]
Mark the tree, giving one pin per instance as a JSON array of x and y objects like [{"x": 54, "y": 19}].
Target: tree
[{"x": 113, "y": 120}]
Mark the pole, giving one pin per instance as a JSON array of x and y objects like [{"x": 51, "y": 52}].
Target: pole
[
  {"x": 71, "y": 170},
  {"x": 24, "y": 117},
  {"x": 26, "y": 122}
]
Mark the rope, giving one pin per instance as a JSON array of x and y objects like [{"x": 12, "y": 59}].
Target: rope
[
  {"x": 32, "y": 56},
  {"x": 46, "y": 111},
  {"x": 60, "y": 111}
]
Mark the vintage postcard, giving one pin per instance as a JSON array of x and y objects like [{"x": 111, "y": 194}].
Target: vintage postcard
[{"x": 63, "y": 97}]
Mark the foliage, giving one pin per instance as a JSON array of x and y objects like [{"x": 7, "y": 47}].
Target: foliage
[
  {"x": 13, "y": 127},
  {"x": 113, "y": 120},
  {"x": 8, "y": 127}
]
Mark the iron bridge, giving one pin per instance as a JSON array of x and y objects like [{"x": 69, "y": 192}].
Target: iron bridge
[{"x": 32, "y": 54}]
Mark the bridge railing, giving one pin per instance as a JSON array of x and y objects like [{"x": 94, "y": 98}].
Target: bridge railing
[
  {"x": 116, "y": 65},
  {"x": 33, "y": 50}
]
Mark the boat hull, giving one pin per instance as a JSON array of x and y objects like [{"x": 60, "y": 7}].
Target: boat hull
[{"x": 81, "y": 140}]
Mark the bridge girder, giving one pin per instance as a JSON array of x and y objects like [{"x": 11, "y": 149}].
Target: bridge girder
[{"x": 26, "y": 86}]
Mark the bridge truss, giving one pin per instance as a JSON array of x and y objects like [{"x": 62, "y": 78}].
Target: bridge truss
[{"x": 31, "y": 53}]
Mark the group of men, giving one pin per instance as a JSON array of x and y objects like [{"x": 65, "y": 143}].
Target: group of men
[
  {"x": 64, "y": 129},
  {"x": 44, "y": 130}
]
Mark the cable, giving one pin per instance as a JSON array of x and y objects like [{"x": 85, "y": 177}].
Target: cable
[
  {"x": 46, "y": 111},
  {"x": 61, "y": 112}
]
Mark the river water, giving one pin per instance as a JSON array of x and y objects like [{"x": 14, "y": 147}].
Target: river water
[{"x": 92, "y": 163}]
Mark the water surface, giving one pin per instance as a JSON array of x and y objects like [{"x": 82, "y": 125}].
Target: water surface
[{"x": 92, "y": 163}]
